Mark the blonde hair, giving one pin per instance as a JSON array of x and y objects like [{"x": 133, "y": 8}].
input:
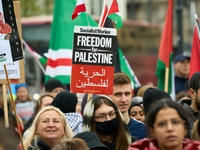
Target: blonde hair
[
  {"x": 143, "y": 89},
  {"x": 32, "y": 136}
]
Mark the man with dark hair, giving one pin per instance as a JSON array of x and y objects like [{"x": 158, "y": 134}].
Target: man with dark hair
[
  {"x": 193, "y": 104},
  {"x": 193, "y": 86},
  {"x": 122, "y": 94}
]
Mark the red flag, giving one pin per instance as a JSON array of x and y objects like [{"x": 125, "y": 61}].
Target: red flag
[
  {"x": 164, "y": 70},
  {"x": 103, "y": 15},
  {"x": 166, "y": 40},
  {"x": 80, "y": 7},
  {"x": 195, "y": 55}
]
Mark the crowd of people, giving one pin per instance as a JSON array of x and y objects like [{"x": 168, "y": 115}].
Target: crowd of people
[{"x": 148, "y": 119}]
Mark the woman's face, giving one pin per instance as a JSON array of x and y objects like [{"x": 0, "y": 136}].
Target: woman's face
[
  {"x": 22, "y": 94},
  {"x": 137, "y": 113},
  {"x": 46, "y": 101},
  {"x": 169, "y": 129},
  {"x": 50, "y": 126},
  {"x": 104, "y": 113},
  {"x": 78, "y": 107}
]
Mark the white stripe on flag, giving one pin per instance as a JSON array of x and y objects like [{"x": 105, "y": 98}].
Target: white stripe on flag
[
  {"x": 80, "y": 2},
  {"x": 60, "y": 53},
  {"x": 61, "y": 70}
]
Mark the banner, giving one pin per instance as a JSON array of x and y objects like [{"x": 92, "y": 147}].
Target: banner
[
  {"x": 93, "y": 60},
  {"x": 11, "y": 49}
]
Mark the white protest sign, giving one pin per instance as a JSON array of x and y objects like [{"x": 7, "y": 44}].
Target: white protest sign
[{"x": 12, "y": 69}]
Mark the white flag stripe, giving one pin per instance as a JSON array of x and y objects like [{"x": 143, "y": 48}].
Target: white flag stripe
[
  {"x": 60, "y": 53},
  {"x": 137, "y": 83},
  {"x": 61, "y": 70},
  {"x": 118, "y": 13},
  {"x": 80, "y": 2},
  {"x": 101, "y": 18},
  {"x": 37, "y": 55}
]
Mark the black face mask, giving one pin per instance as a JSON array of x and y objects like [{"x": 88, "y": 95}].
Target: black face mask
[{"x": 107, "y": 127}]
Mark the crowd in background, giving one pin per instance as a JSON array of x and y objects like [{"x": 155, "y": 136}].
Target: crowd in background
[{"x": 147, "y": 119}]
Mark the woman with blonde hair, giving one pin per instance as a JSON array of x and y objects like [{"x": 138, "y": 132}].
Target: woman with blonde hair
[
  {"x": 49, "y": 128},
  {"x": 44, "y": 100}
]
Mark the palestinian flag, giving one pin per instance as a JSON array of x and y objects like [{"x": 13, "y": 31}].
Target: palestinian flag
[
  {"x": 165, "y": 57},
  {"x": 195, "y": 54},
  {"x": 121, "y": 63},
  {"x": 114, "y": 14},
  {"x": 60, "y": 48}
]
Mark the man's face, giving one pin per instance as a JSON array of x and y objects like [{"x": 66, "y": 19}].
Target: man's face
[
  {"x": 197, "y": 101},
  {"x": 122, "y": 97},
  {"x": 182, "y": 68}
]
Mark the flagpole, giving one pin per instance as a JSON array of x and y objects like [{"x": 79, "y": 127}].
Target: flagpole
[
  {"x": 166, "y": 79},
  {"x": 87, "y": 19},
  {"x": 40, "y": 65},
  {"x": 107, "y": 14},
  {"x": 8, "y": 82}
]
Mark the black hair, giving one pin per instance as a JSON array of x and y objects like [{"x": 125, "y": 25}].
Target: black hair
[
  {"x": 164, "y": 103},
  {"x": 194, "y": 82}
]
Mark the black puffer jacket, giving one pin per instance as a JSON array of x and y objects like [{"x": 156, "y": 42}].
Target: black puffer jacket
[
  {"x": 40, "y": 146},
  {"x": 192, "y": 115}
]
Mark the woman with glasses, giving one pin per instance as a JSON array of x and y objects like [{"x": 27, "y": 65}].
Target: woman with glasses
[
  {"x": 168, "y": 125},
  {"x": 102, "y": 117}
]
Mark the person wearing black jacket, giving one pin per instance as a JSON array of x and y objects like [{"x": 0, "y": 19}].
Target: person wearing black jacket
[{"x": 193, "y": 104}]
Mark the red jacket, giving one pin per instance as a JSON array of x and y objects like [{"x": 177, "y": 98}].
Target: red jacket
[{"x": 150, "y": 144}]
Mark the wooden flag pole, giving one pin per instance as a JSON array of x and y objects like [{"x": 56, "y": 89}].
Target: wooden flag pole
[
  {"x": 20, "y": 135},
  {"x": 166, "y": 79},
  {"x": 5, "y": 105},
  {"x": 87, "y": 19}
]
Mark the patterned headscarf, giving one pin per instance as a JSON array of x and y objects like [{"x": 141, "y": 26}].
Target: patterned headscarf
[{"x": 89, "y": 111}]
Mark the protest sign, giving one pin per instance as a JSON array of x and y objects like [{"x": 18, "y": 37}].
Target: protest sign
[
  {"x": 10, "y": 45},
  {"x": 12, "y": 69},
  {"x": 9, "y": 38},
  {"x": 93, "y": 60},
  {"x": 25, "y": 110}
]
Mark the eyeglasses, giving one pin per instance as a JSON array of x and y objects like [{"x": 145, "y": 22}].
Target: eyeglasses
[
  {"x": 103, "y": 117},
  {"x": 175, "y": 123}
]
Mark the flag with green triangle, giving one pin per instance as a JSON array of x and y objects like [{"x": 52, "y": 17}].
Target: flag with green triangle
[
  {"x": 60, "y": 48},
  {"x": 121, "y": 63}
]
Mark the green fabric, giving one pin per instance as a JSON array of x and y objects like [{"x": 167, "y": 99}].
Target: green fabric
[
  {"x": 62, "y": 78},
  {"x": 62, "y": 29},
  {"x": 117, "y": 19},
  {"x": 124, "y": 67},
  {"x": 160, "y": 73}
]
